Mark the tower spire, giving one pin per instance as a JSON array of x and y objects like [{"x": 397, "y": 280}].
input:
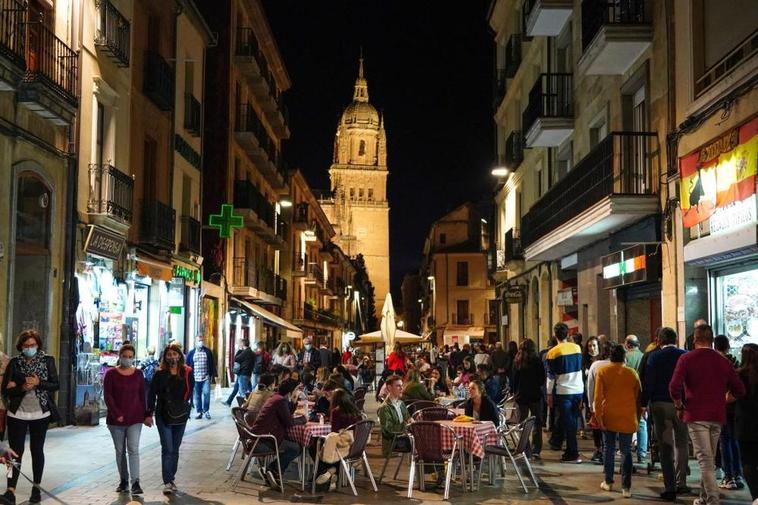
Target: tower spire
[{"x": 361, "y": 86}]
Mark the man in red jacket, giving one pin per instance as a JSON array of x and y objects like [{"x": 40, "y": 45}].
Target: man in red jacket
[{"x": 701, "y": 379}]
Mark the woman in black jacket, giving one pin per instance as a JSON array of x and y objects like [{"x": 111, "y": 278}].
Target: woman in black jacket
[
  {"x": 745, "y": 416},
  {"x": 28, "y": 386},
  {"x": 169, "y": 399},
  {"x": 528, "y": 380},
  {"x": 479, "y": 405},
  {"x": 243, "y": 369}
]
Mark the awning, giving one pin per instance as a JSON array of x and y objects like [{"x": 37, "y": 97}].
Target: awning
[
  {"x": 464, "y": 331},
  {"x": 291, "y": 330}
]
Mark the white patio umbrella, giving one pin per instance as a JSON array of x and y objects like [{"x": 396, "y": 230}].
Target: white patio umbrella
[
  {"x": 401, "y": 336},
  {"x": 388, "y": 327}
]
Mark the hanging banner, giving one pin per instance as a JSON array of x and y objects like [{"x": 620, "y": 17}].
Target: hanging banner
[{"x": 719, "y": 174}]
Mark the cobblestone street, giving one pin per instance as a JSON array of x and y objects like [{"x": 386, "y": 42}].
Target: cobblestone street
[{"x": 81, "y": 470}]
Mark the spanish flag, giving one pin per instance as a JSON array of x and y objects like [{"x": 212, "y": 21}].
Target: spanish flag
[{"x": 718, "y": 174}]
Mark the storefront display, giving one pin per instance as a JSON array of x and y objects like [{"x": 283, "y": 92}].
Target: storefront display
[{"x": 735, "y": 296}]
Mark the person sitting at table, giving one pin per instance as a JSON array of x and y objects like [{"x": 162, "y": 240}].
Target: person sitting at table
[
  {"x": 439, "y": 385},
  {"x": 344, "y": 413},
  {"x": 392, "y": 417},
  {"x": 414, "y": 389},
  {"x": 323, "y": 404},
  {"x": 346, "y": 377},
  {"x": 322, "y": 377},
  {"x": 479, "y": 405},
  {"x": 256, "y": 399},
  {"x": 274, "y": 418},
  {"x": 308, "y": 381}
]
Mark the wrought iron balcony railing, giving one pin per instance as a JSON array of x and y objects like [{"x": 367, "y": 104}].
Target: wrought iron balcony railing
[
  {"x": 110, "y": 192},
  {"x": 158, "y": 225},
  {"x": 113, "y": 33},
  {"x": 12, "y": 31},
  {"x": 596, "y": 13},
  {"x": 190, "y": 235},
  {"x": 512, "y": 244},
  {"x": 247, "y": 196},
  {"x": 280, "y": 287},
  {"x": 550, "y": 97},
  {"x": 50, "y": 61},
  {"x": 158, "y": 84},
  {"x": 621, "y": 164}
]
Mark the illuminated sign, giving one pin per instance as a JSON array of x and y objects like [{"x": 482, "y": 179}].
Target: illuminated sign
[
  {"x": 103, "y": 243},
  {"x": 639, "y": 263},
  {"x": 226, "y": 221},
  {"x": 188, "y": 274}
]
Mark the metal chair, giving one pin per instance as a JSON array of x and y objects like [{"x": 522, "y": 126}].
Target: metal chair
[
  {"x": 240, "y": 400},
  {"x": 357, "y": 452},
  {"x": 238, "y": 414},
  {"x": 360, "y": 403},
  {"x": 359, "y": 393},
  {"x": 518, "y": 453},
  {"x": 426, "y": 448},
  {"x": 434, "y": 414},
  {"x": 414, "y": 405},
  {"x": 393, "y": 451},
  {"x": 250, "y": 443}
]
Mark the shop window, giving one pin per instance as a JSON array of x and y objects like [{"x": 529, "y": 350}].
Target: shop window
[
  {"x": 736, "y": 306},
  {"x": 31, "y": 264}
]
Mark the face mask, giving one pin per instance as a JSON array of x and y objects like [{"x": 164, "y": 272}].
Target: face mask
[
  {"x": 172, "y": 361},
  {"x": 127, "y": 362},
  {"x": 308, "y": 347},
  {"x": 29, "y": 352}
]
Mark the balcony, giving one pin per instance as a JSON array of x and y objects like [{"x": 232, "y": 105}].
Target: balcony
[
  {"x": 315, "y": 275},
  {"x": 50, "y": 84},
  {"x": 259, "y": 213},
  {"x": 513, "y": 55},
  {"x": 513, "y": 251},
  {"x": 256, "y": 142},
  {"x": 613, "y": 187},
  {"x": 192, "y": 114},
  {"x": 320, "y": 316},
  {"x": 300, "y": 265},
  {"x": 514, "y": 150},
  {"x": 12, "y": 43},
  {"x": 280, "y": 287},
  {"x": 110, "y": 197},
  {"x": 158, "y": 225},
  {"x": 158, "y": 81},
  {"x": 614, "y": 35},
  {"x": 258, "y": 284},
  {"x": 463, "y": 318},
  {"x": 113, "y": 33},
  {"x": 548, "y": 119},
  {"x": 189, "y": 237},
  {"x": 546, "y": 17},
  {"x": 300, "y": 220}
]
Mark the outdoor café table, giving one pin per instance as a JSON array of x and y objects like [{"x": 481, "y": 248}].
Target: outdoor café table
[
  {"x": 474, "y": 437},
  {"x": 302, "y": 434}
]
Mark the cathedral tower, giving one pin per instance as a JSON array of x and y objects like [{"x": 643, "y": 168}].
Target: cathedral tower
[{"x": 359, "y": 210}]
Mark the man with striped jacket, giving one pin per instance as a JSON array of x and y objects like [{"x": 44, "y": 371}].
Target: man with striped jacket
[{"x": 565, "y": 389}]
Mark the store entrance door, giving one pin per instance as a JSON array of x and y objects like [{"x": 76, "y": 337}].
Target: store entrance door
[{"x": 642, "y": 310}]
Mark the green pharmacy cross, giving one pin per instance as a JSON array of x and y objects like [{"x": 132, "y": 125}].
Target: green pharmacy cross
[{"x": 226, "y": 221}]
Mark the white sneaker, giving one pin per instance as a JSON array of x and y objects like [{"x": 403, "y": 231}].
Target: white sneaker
[
  {"x": 626, "y": 493},
  {"x": 325, "y": 477},
  {"x": 167, "y": 490},
  {"x": 606, "y": 487}
]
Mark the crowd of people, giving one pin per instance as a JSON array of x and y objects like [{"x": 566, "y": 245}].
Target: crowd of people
[{"x": 627, "y": 398}]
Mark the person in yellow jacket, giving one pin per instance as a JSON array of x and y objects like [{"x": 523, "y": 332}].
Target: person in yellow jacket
[{"x": 617, "y": 413}]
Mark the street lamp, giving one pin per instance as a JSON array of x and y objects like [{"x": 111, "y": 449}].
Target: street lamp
[
  {"x": 285, "y": 203},
  {"x": 500, "y": 171}
]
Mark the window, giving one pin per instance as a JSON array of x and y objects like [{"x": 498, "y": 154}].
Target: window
[
  {"x": 461, "y": 275},
  {"x": 99, "y": 134},
  {"x": 362, "y": 148},
  {"x": 370, "y": 194},
  {"x": 360, "y": 193},
  {"x": 189, "y": 77},
  {"x": 563, "y": 160},
  {"x": 443, "y": 238},
  {"x": 463, "y": 316},
  {"x": 352, "y": 193}
]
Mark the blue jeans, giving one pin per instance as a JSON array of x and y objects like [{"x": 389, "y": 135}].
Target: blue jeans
[
  {"x": 568, "y": 410},
  {"x": 203, "y": 395},
  {"x": 642, "y": 438},
  {"x": 731, "y": 461},
  {"x": 241, "y": 386},
  {"x": 171, "y": 438},
  {"x": 609, "y": 458},
  {"x": 126, "y": 440},
  {"x": 288, "y": 452},
  {"x": 254, "y": 381}
]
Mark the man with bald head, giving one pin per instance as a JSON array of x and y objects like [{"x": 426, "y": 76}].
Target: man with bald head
[{"x": 689, "y": 342}]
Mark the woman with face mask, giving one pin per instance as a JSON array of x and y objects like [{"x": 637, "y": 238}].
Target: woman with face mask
[
  {"x": 169, "y": 399},
  {"x": 124, "y": 393},
  {"x": 284, "y": 356},
  {"x": 28, "y": 386}
]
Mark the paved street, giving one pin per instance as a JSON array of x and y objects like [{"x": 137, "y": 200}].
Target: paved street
[{"x": 80, "y": 470}]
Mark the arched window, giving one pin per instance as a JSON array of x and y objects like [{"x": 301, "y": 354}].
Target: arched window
[
  {"x": 362, "y": 148},
  {"x": 31, "y": 262}
]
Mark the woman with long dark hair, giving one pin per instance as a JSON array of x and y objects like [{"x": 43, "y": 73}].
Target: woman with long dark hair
[
  {"x": 746, "y": 414},
  {"x": 528, "y": 380},
  {"x": 28, "y": 386},
  {"x": 479, "y": 405},
  {"x": 343, "y": 413},
  {"x": 169, "y": 399}
]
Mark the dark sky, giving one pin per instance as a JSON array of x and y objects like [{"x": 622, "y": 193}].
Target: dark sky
[{"x": 429, "y": 71}]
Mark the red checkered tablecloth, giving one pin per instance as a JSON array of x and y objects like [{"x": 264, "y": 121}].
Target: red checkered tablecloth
[
  {"x": 474, "y": 436},
  {"x": 302, "y": 433}
]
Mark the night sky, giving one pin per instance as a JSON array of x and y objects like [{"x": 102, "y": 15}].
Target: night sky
[{"x": 429, "y": 71}]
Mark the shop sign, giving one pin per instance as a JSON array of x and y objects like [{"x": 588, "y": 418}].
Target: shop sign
[
  {"x": 719, "y": 174},
  {"x": 565, "y": 297},
  {"x": 153, "y": 271},
  {"x": 188, "y": 274},
  {"x": 226, "y": 221},
  {"x": 513, "y": 294},
  {"x": 733, "y": 216},
  {"x": 628, "y": 266},
  {"x": 103, "y": 243}
]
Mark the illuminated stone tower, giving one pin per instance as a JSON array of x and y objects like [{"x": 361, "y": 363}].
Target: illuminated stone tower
[{"x": 359, "y": 210}]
